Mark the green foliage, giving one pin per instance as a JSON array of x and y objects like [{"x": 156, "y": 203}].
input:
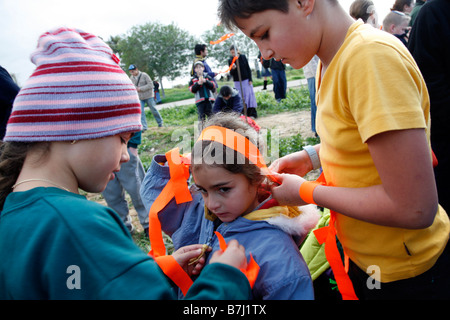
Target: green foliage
[
  {"x": 288, "y": 145},
  {"x": 159, "y": 50},
  {"x": 296, "y": 99},
  {"x": 177, "y": 94}
]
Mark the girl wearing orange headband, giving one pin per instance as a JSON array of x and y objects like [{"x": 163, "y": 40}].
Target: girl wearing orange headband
[{"x": 227, "y": 197}]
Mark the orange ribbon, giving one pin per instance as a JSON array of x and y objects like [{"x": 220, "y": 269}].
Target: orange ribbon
[
  {"x": 231, "y": 65},
  {"x": 175, "y": 272},
  {"x": 252, "y": 270},
  {"x": 176, "y": 187},
  {"x": 222, "y": 38},
  {"x": 327, "y": 235}
]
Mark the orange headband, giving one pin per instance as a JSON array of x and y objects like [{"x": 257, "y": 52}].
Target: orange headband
[{"x": 239, "y": 143}]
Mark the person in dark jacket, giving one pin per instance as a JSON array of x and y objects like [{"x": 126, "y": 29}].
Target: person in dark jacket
[
  {"x": 228, "y": 100},
  {"x": 203, "y": 86},
  {"x": 429, "y": 43},
  {"x": 279, "y": 79},
  {"x": 8, "y": 91}
]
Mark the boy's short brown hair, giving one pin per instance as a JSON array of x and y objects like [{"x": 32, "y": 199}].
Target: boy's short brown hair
[{"x": 229, "y": 10}]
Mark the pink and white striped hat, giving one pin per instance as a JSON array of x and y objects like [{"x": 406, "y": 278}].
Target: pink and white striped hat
[{"x": 78, "y": 91}]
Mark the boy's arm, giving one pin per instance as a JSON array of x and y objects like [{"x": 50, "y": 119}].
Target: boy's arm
[
  {"x": 210, "y": 83},
  {"x": 407, "y": 187}
]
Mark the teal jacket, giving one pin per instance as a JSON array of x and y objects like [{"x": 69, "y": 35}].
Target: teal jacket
[{"x": 58, "y": 245}]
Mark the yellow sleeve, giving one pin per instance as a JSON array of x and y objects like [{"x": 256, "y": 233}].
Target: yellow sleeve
[{"x": 385, "y": 89}]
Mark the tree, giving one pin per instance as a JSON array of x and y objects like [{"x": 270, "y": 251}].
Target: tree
[{"x": 159, "y": 50}]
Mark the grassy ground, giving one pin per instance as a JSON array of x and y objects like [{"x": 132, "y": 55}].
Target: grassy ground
[
  {"x": 182, "y": 119},
  {"x": 181, "y": 92}
]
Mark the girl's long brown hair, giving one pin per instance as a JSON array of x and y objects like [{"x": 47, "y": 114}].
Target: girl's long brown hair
[{"x": 12, "y": 157}]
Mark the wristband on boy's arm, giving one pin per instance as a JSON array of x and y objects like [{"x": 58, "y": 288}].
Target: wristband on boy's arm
[
  {"x": 312, "y": 153},
  {"x": 307, "y": 189}
]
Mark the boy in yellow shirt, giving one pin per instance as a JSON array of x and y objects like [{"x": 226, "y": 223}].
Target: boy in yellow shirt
[{"x": 374, "y": 150}]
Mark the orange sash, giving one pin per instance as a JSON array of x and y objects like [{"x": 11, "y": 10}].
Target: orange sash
[
  {"x": 176, "y": 187},
  {"x": 327, "y": 235}
]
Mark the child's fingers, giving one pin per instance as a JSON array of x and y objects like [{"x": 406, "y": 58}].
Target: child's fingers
[
  {"x": 234, "y": 255},
  {"x": 275, "y": 166},
  {"x": 189, "y": 248}
]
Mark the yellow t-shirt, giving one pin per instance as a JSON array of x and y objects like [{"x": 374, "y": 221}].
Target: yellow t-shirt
[{"x": 373, "y": 85}]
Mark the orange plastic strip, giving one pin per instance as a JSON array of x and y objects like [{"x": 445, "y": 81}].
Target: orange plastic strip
[
  {"x": 222, "y": 38},
  {"x": 252, "y": 270},
  {"x": 176, "y": 187},
  {"x": 327, "y": 235},
  {"x": 173, "y": 270},
  {"x": 231, "y": 65}
]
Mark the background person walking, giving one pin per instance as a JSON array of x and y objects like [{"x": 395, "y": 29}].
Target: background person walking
[{"x": 144, "y": 87}]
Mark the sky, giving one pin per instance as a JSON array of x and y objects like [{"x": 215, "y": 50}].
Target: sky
[{"x": 23, "y": 21}]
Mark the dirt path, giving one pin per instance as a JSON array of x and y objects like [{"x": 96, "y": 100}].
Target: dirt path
[{"x": 288, "y": 123}]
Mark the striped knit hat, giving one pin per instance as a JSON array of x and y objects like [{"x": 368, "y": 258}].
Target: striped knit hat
[{"x": 78, "y": 91}]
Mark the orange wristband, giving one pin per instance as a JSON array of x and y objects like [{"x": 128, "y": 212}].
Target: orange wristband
[{"x": 306, "y": 191}]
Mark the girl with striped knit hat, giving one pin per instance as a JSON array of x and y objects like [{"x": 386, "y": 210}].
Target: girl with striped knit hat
[{"x": 69, "y": 129}]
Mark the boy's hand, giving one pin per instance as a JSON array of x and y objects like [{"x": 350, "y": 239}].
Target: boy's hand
[
  {"x": 288, "y": 192},
  {"x": 297, "y": 163}
]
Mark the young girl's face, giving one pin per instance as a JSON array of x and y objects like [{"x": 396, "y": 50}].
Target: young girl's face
[
  {"x": 288, "y": 37},
  {"x": 227, "y": 195},
  {"x": 94, "y": 162}
]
